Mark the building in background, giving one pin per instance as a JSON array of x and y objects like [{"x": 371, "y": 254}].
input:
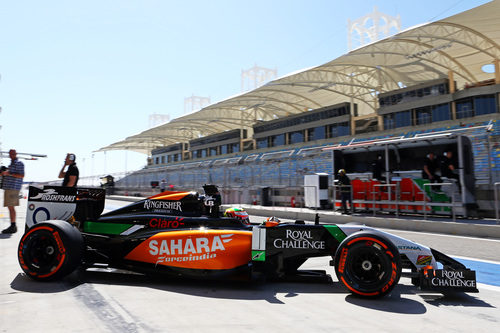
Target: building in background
[{"x": 427, "y": 79}]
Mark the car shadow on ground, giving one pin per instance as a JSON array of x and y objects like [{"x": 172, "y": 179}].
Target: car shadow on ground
[
  {"x": 395, "y": 303},
  {"x": 272, "y": 292},
  {"x": 25, "y": 284},
  {"x": 238, "y": 289},
  {"x": 454, "y": 299},
  {"x": 226, "y": 289}
]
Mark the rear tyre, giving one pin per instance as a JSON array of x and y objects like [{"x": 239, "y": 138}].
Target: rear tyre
[
  {"x": 50, "y": 250},
  {"x": 368, "y": 265}
]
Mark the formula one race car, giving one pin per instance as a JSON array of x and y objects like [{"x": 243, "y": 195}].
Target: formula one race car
[{"x": 184, "y": 234}]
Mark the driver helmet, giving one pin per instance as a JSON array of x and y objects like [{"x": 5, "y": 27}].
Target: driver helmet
[{"x": 237, "y": 213}]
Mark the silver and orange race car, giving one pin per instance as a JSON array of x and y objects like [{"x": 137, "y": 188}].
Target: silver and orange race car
[{"x": 184, "y": 234}]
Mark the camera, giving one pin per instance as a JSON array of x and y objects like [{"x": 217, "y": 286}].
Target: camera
[{"x": 2, "y": 169}]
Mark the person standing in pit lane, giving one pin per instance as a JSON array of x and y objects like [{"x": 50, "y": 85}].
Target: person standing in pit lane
[
  {"x": 429, "y": 170},
  {"x": 447, "y": 167},
  {"x": 71, "y": 175},
  {"x": 13, "y": 180},
  {"x": 345, "y": 191},
  {"x": 378, "y": 168},
  {"x": 163, "y": 185}
]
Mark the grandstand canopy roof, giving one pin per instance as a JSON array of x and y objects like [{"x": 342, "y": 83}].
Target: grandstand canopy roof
[{"x": 461, "y": 44}]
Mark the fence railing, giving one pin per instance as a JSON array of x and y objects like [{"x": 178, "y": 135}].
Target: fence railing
[
  {"x": 335, "y": 200},
  {"x": 393, "y": 201},
  {"x": 389, "y": 187},
  {"x": 441, "y": 204}
]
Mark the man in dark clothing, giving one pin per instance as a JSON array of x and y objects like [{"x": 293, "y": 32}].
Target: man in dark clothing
[
  {"x": 377, "y": 168},
  {"x": 71, "y": 175},
  {"x": 429, "y": 171},
  {"x": 447, "y": 167},
  {"x": 345, "y": 190}
]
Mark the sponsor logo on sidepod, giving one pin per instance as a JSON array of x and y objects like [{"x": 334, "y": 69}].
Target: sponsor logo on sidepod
[
  {"x": 189, "y": 249},
  {"x": 298, "y": 239},
  {"x": 162, "y": 223},
  {"x": 52, "y": 195},
  {"x": 159, "y": 204}
]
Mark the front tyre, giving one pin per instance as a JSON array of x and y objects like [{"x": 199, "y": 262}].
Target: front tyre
[
  {"x": 50, "y": 250},
  {"x": 368, "y": 265}
]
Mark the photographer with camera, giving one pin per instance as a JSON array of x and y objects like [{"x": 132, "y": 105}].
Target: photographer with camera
[
  {"x": 71, "y": 175},
  {"x": 12, "y": 182}
]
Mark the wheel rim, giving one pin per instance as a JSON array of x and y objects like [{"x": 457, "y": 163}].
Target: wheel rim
[
  {"x": 41, "y": 253},
  {"x": 367, "y": 268}
]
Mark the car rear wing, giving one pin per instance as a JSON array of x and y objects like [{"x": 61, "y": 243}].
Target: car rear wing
[{"x": 63, "y": 203}]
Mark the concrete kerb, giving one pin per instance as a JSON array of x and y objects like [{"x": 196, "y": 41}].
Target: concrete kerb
[{"x": 466, "y": 228}]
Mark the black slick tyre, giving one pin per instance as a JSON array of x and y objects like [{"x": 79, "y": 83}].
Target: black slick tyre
[
  {"x": 368, "y": 265},
  {"x": 50, "y": 250}
]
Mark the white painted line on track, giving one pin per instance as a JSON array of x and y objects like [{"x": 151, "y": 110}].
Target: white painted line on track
[
  {"x": 487, "y": 287},
  {"x": 475, "y": 259}
]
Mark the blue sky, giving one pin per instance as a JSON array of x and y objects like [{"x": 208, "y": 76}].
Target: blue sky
[{"x": 80, "y": 75}]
